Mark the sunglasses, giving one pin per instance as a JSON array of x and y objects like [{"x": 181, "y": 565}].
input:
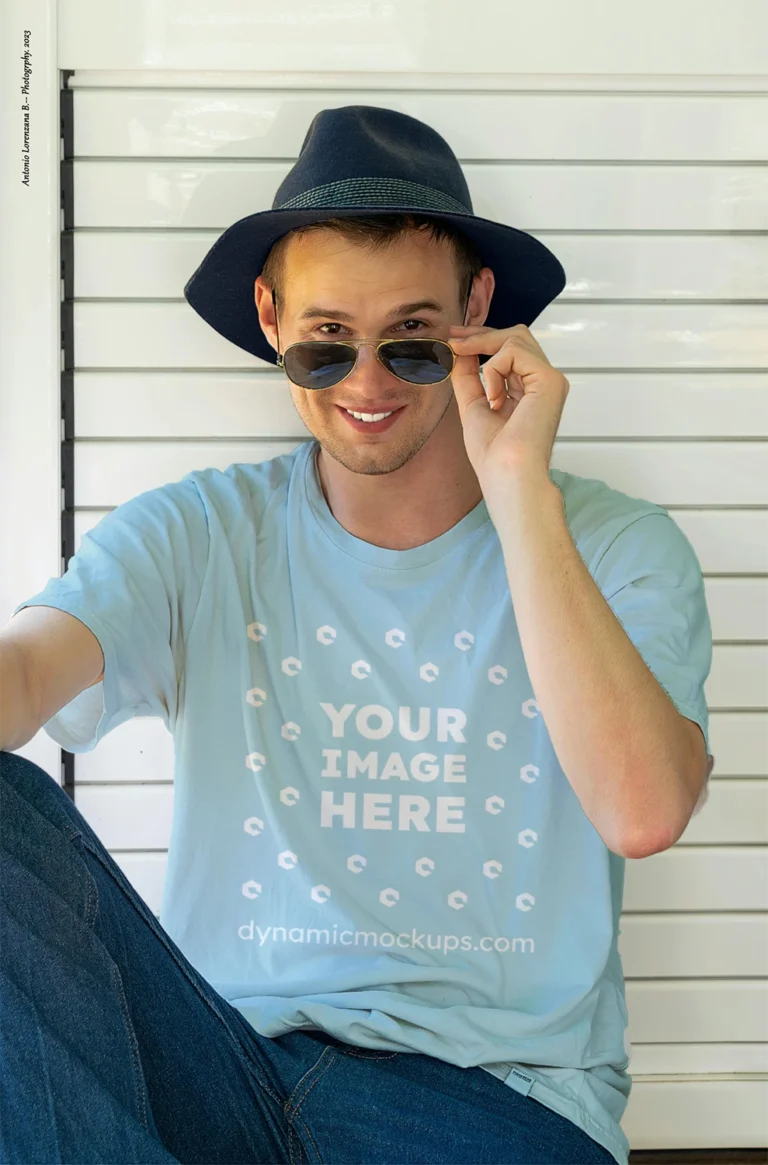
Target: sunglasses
[{"x": 324, "y": 363}]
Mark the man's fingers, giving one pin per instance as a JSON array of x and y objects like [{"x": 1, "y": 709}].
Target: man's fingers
[
  {"x": 479, "y": 343},
  {"x": 497, "y": 385},
  {"x": 466, "y": 380}
]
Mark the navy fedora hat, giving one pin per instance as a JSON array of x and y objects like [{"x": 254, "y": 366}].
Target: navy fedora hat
[{"x": 362, "y": 160}]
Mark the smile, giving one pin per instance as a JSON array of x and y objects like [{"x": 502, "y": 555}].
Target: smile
[{"x": 375, "y": 426}]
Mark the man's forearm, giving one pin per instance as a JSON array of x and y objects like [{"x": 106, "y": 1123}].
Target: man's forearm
[{"x": 616, "y": 733}]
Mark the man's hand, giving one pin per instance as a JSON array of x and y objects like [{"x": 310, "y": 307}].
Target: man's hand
[{"x": 512, "y": 430}]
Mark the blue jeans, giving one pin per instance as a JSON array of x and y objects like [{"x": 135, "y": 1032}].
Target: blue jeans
[{"x": 114, "y": 1049}]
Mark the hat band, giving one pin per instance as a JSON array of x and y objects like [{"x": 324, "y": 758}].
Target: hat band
[{"x": 375, "y": 192}]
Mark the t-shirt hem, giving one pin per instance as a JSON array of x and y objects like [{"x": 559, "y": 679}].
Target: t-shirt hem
[{"x": 691, "y": 712}]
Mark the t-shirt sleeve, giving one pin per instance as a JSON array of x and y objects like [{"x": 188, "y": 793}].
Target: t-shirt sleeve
[
  {"x": 135, "y": 582},
  {"x": 651, "y": 578}
]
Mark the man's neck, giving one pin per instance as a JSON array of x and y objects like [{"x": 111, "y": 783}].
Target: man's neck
[{"x": 411, "y": 506}]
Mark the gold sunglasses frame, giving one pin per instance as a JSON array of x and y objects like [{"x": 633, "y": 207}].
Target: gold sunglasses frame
[{"x": 356, "y": 344}]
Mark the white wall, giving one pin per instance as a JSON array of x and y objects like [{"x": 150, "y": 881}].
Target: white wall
[{"x": 413, "y": 38}]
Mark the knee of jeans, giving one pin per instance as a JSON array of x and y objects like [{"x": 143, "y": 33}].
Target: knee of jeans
[
  {"x": 39, "y": 789},
  {"x": 14, "y": 767}
]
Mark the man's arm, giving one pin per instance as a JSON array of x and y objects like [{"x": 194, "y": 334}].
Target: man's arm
[
  {"x": 47, "y": 657},
  {"x": 632, "y": 757},
  {"x": 620, "y": 740}
]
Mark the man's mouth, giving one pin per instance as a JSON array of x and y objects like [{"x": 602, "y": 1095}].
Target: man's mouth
[{"x": 364, "y": 422}]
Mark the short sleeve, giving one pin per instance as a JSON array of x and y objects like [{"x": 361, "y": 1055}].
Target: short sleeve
[
  {"x": 135, "y": 582},
  {"x": 651, "y": 578}
]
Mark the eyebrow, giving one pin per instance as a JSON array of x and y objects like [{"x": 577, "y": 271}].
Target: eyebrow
[{"x": 405, "y": 309}]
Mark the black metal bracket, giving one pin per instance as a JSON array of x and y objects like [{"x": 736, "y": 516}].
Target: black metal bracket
[{"x": 67, "y": 253}]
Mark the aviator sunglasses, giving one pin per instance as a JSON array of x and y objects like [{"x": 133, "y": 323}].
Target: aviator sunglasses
[{"x": 324, "y": 363}]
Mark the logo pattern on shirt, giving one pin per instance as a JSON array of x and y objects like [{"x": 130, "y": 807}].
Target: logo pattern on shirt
[{"x": 376, "y": 722}]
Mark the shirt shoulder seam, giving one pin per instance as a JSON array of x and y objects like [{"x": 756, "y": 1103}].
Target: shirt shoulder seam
[
  {"x": 638, "y": 518},
  {"x": 186, "y": 639}
]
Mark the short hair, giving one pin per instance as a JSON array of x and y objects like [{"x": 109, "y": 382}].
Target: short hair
[{"x": 378, "y": 232}]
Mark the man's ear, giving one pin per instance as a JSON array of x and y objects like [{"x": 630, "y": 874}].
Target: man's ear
[
  {"x": 482, "y": 293},
  {"x": 262, "y": 296}
]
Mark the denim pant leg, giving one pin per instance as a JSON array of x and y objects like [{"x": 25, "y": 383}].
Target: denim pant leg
[
  {"x": 113, "y": 1048},
  {"x": 378, "y": 1108}
]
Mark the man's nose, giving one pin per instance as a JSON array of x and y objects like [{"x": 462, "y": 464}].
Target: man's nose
[{"x": 368, "y": 364}]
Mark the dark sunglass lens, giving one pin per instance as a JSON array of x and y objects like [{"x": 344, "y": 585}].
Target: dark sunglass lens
[
  {"x": 418, "y": 361},
  {"x": 319, "y": 365}
]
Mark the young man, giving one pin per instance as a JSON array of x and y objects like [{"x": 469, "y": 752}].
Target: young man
[{"x": 427, "y": 694}]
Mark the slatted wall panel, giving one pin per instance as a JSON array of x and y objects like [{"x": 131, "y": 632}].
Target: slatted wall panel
[{"x": 655, "y": 202}]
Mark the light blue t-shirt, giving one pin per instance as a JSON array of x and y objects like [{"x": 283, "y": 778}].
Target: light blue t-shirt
[{"x": 372, "y": 834}]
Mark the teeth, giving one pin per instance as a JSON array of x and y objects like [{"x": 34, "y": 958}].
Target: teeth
[{"x": 369, "y": 416}]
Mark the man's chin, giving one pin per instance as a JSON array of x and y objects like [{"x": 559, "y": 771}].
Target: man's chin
[{"x": 369, "y": 459}]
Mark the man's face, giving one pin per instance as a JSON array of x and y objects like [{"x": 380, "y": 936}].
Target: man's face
[{"x": 358, "y": 291}]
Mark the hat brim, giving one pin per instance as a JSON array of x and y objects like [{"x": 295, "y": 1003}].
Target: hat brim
[{"x": 527, "y": 274}]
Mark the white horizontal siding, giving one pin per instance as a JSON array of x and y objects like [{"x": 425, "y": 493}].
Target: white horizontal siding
[
  {"x": 739, "y": 677},
  {"x": 697, "y": 1010},
  {"x": 532, "y": 196},
  {"x": 698, "y": 1112},
  {"x": 188, "y": 123},
  {"x": 434, "y": 38},
  {"x": 655, "y": 202},
  {"x": 738, "y": 608}
]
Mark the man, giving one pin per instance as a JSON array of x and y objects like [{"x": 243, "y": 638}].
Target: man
[{"x": 427, "y": 694}]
